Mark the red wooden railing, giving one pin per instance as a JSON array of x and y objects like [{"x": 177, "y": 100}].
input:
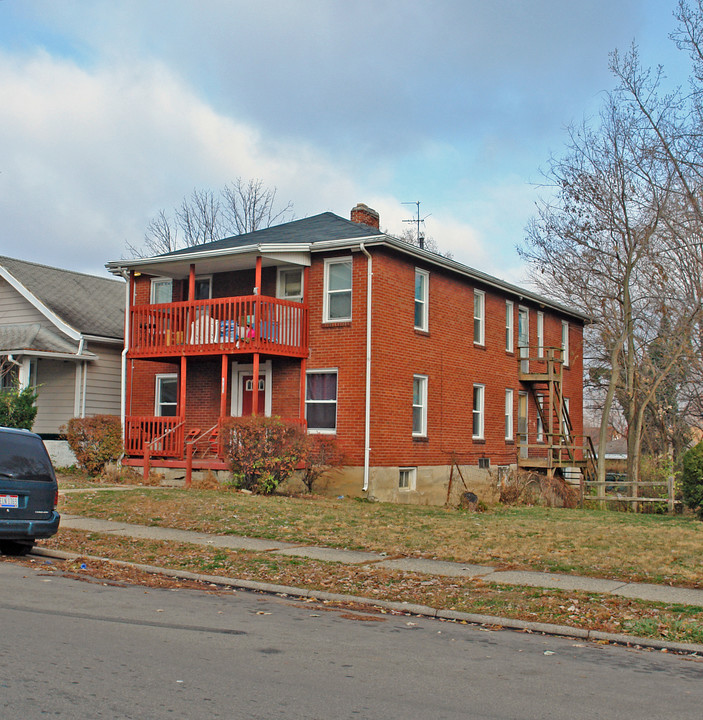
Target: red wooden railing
[
  {"x": 165, "y": 437},
  {"x": 163, "y": 434},
  {"x": 246, "y": 324}
]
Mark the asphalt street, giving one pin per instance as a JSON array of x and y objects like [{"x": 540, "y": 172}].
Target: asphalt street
[{"x": 84, "y": 649}]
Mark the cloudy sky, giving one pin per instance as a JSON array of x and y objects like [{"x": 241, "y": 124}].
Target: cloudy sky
[{"x": 112, "y": 110}]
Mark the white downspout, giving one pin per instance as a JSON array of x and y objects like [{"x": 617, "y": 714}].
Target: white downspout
[
  {"x": 123, "y": 389},
  {"x": 81, "y": 381},
  {"x": 367, "y": 411}
]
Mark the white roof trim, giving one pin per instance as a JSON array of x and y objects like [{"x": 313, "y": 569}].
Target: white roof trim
[
  {"x": 52, "y": 355},
  {"x": 43, "y": 309}
]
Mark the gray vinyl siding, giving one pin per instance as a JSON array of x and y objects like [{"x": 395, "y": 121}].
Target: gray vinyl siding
[
  {"x": 56, "y": 381},
  {"x": 15, "y": 309},
  {"x": 103, "y": 382}
]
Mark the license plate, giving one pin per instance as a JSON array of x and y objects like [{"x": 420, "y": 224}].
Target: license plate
[{"x": 9, "y": 501}]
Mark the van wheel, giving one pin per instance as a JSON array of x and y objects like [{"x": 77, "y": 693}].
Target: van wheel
[{"x": 18, "y": 548}]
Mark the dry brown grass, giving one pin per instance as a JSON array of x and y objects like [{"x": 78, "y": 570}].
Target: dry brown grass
[{"x": 651, "y": 548}]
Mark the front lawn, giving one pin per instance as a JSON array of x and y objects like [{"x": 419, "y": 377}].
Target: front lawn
[{"x": 651, "y": 548}]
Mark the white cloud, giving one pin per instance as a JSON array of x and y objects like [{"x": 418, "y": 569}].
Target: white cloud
[{"x": 90, "y": 155}]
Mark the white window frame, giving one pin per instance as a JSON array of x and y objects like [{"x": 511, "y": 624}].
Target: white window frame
[
  {"x": 479, "y": 317},
  {"x": 335, "y": 402},
  {"x": 422, "y": 301},
  {"x": 208, "y": 278},
  {"x": 540, "y": 334},
  {"x": 160, "y": 377},
  {"x": 281, "y": 285},
  {"x": 564, "y": 415},
  {"x": 540, "y": 423},
  {"x": 407, "y": 479},
  {"x": 509, "y": 326},
  {"x": 565, "y": 342},
  {"x": 422, "y": 405},
  {"x": 478, "y": 412},
  {"x": 155, "y": 283},
  {"x": 509, "y": 414},
  {"x": 329, "y": 262}
]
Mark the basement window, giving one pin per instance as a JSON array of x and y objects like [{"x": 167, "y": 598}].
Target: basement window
[
  {"x": 407, "y": 478},
  {"x": 484, "y": 463}
]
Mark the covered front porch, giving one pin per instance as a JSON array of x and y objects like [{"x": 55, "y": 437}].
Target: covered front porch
[{"x": 199, "y": 352}]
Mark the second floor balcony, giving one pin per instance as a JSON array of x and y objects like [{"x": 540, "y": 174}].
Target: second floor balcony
[{"x": 232, "y": 325}]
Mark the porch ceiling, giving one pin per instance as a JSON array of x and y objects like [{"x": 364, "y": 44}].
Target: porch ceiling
[{"x": 178, "y": 266}]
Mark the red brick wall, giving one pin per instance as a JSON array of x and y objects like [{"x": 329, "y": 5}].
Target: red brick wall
[{"x": 446, "y": 354}]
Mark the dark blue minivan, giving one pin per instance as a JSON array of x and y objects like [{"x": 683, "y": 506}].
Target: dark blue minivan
[{"x": 28, "y": 492}]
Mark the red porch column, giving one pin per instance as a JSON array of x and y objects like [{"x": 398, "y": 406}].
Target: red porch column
[
  {"x": 182, "y": 392},
  {"x": 223, "y": 387},
  {"x": 191, "y": 283},
  {"x": 257, "y": 279}
]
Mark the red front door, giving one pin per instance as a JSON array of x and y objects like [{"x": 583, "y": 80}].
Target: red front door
[{"x": 248, "y": 393}]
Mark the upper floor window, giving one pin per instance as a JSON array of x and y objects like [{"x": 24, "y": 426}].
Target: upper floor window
[
  {"x": 321, "y": 401},
  {"x": 509, "y": 325},
  {"x": 565, "y": 342},
  {"x": 203, "y": 287},
  {"x": 290, "y": 284},
  {"x": 479, "y": 317},
  {"x": 338, "y": 290},
  {"x": 540, "y": 334},
  {"x": 419, "y": 405},
  {"x": 422, "y": 279},
  {"x": 161, "y": 290}
]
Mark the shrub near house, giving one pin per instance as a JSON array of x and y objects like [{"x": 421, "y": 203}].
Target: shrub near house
[{"x": 95, "y": 441}]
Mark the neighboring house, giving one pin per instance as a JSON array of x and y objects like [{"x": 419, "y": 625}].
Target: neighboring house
[
  {"x": 413, "y": 361},
  {"x": 62, "y": 332}
]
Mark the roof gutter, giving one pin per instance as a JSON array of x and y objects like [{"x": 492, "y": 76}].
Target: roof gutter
[{"x": 367, "y": 408}]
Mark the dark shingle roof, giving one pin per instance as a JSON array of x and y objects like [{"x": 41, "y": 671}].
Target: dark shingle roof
[
  {"x": 318, "y": 228},
  {"x": 90, "y": 304}
]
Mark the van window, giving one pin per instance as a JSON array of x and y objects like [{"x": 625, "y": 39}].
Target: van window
[{"x": 24, "y": 457}]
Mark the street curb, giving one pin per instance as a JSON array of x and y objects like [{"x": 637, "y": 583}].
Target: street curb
[{"x": 410, "y": 608}]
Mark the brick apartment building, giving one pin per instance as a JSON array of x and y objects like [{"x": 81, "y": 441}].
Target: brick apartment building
[{"x": 415, "y": 362}]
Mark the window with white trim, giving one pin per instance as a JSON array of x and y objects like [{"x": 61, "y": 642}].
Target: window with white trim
[
  {"x": 203, "y": 287},
  {"x": 509, "y": 322},
  {"x": 478, "y": 412},
  {"x": 161, "y": 291},
  {"x": 479, "y": 317},
  {"x": 422, "y": 284},
  {"x": 290, "y": 284},
  {"x": 166, "y": 395},
  {"x": 407, "y": 478},
  {"x": 565, "y": 418},
  {"x": 565, "y": 342},
  {"x": 509, "y": 414},
  {"x": 540, "y": 334},
  {"x": 321, "y": 401},
  {"x": 338, "y": 289},
  {"x": 419, "y": 405},
  {"x": 540, "y": 421}
]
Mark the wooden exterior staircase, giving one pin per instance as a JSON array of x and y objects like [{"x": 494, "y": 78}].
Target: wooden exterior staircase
[{"x": 554, "y": 447}]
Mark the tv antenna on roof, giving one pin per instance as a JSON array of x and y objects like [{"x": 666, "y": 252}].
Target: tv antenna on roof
[{"x": 417, "y": 220}]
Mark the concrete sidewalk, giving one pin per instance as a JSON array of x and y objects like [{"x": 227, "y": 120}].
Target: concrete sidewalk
[{"x": 639, "y": 591}]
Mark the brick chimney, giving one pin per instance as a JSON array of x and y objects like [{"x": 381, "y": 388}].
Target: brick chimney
[{"x": 365, "y": 215}]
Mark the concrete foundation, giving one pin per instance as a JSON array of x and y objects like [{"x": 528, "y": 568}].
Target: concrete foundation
[{"x": 61, "y": 455}]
